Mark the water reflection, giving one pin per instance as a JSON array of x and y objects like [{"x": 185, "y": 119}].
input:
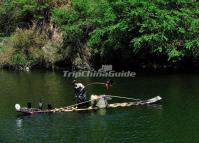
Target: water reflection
[
  {"x": 155, "y": 106},
  {"x": 101, "y": 112},
  {"x": 19, "y": 127},
  {"x": 19, "y": 122}
]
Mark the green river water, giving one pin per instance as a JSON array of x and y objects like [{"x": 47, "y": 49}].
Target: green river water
[{"x": 174, "y": 120}]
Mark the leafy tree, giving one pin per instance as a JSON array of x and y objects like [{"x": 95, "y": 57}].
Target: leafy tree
[{"x": 104, "y": 31}]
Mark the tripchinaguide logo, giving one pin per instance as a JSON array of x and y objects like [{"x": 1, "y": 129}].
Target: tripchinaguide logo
[{"x": 104, "y": 71}]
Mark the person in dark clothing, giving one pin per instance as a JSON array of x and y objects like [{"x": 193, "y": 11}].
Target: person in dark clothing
[{"x": 80, "y": 95}]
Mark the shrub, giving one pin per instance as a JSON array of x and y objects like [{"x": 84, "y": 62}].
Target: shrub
[
  {"x": 34, "y": 46},
  {"x": 6, "y": 54}
]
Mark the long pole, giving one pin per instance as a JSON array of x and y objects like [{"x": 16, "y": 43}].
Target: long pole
[
  {"x": 78, "y": 104},
  {"x": 124, "y": 97},
  {"x": 83, "y": 102},
  {"x": 102, "y": 97},
  {"x": 101, "y": 83}
]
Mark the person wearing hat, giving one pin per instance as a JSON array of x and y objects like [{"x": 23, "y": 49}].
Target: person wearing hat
[{"x": 80, "y": 94}]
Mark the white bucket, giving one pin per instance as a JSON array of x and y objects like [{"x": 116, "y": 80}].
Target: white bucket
[{"x": 99, "y": 101}]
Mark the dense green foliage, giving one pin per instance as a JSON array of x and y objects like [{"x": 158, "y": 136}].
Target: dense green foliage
[{"x": 118, "y": 32}]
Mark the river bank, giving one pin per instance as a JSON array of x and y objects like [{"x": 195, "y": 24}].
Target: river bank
[{"x": 177, "y": 67}]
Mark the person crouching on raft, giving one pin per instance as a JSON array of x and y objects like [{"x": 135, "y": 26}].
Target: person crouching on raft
[{"x": 80, "y": 95}]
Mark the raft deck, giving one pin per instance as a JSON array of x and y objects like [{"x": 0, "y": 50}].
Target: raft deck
[{"x": 30, "y": 111}]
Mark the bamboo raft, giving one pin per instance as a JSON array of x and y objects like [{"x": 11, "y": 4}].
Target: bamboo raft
[{"x": 31, "y": 111}]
